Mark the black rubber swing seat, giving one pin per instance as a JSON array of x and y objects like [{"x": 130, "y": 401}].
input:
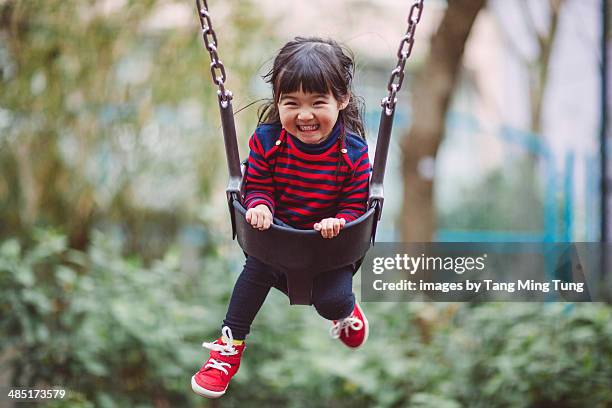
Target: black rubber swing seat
[{"x": 303, "y": 254}]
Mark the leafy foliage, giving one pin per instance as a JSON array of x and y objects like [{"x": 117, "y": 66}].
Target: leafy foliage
[
  {"x": 493, "y": 205},
  {"x": 110, "y": 329},
  {"x": 108, "y": 114},
  {"x": 114, "y": 332}
]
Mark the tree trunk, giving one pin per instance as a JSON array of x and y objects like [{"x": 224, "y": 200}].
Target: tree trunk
[
  {"x": 46, "y": 193},
  {"x": 539, "y": 68},
  {"x": 432, "y": 92}
]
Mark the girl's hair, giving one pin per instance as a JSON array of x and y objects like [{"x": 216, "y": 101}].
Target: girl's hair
[{"x": 314, "y": 65}]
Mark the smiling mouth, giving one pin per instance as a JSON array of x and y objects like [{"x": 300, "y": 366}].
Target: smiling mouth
[{"x": 307, "y": 128}]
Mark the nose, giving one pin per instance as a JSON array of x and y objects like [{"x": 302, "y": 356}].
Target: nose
[{"x": 305, "y": 114}]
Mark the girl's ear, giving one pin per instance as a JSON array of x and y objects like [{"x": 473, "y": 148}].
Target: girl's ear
[{"x": 344, "y": 103}]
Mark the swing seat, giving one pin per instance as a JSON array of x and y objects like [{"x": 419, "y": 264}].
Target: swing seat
[{"x": 303, "y": 254}]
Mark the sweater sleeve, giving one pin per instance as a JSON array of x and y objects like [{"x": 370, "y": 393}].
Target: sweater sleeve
[
  {"x": 259, "y": 183},
  {"x": 354, "y": 196}
]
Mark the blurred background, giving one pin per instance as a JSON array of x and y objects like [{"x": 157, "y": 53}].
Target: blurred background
[{"x": 116, "y": 259}]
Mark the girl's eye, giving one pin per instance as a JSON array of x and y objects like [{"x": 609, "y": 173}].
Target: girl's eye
[{"x": 320, "y": 103}]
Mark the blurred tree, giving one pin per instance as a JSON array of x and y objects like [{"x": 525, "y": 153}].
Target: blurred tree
[
  {"x": 59, "y": 59},
  {"x": 537, "y": 63},
  {"x": 431, "y": 95},
  {"x": 536, "y": 60},
  {"x": 105, "y": 103}
]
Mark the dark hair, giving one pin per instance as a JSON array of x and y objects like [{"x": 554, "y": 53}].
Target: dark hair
[{"x": 314, "y": 65}]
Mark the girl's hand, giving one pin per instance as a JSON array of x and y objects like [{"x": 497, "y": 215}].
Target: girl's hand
[
  {"x": 259, "y": 217},
  {"x": 330, "y": 227}
]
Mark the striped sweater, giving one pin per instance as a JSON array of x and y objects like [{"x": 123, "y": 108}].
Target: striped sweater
[{"x": 303, "y": 184}]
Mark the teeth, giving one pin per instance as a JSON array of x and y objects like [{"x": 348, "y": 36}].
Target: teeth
[{"x": 308, "y": 128}]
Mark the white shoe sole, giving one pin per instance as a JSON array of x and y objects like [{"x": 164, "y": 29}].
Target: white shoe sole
[{"x": 203, "y": 392}]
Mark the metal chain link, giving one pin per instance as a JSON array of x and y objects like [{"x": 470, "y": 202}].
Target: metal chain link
[
  {"x": 217, "y": 69},
  {"x": 403, "y": 53}
]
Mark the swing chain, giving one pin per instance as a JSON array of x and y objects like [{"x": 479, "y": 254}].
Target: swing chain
[
  {"x": 403, "y": 53},
  {"x": 217, "y": 69}
]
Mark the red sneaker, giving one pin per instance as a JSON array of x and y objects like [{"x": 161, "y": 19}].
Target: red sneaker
[
  {"x": 353, "y": 330},
  {"x": 214, "y": 376}
]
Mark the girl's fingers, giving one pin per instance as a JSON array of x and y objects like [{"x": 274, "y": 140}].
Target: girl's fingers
[
  {"x": 329, "y": 227},
  {"x": 260, "y": 221},
  {"x": 267, "y": 222},
  {"x": 255, "y": 219},
  {"x": 336, "y": 227}
]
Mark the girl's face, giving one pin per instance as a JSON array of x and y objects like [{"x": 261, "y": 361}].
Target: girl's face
[{"x": 308, "y": 116}]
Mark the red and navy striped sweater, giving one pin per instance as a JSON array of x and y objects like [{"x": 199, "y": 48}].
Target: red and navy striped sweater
[{"x": 303, "y": 184}]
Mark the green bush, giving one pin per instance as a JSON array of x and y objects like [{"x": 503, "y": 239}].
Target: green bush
[
  {"x": 97, "y": 323},
  {"x": 117, "y": 333}
]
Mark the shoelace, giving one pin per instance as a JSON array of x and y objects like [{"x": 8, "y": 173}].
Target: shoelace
[
  {"x": 226, "y": 349},
  {"x": 350, "y": 322}
]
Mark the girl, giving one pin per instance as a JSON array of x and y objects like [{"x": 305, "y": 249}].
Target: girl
[{"x": 309, "y": 167}]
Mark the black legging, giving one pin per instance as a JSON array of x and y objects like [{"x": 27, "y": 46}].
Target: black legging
[{"x": 332, "y": 294}]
